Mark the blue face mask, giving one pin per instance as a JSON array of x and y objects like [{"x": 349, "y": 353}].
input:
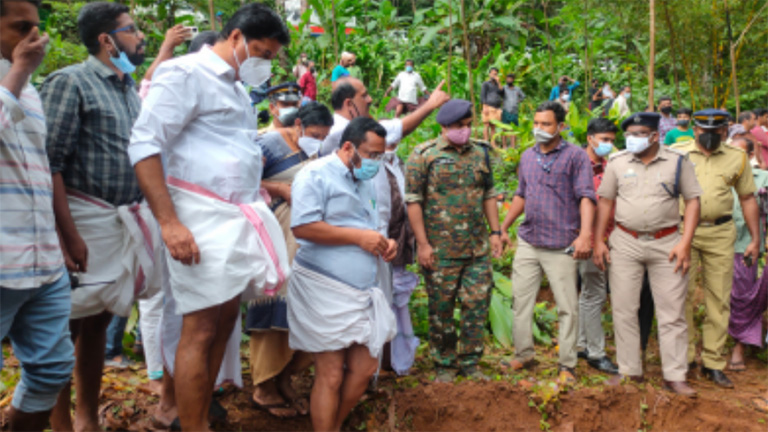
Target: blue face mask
[
  {"x": 603, "y": 149},
  {"x": 409, "y": 68},
  {"x": 368, "y": 168},
  {"x": 122, "y": 63}
]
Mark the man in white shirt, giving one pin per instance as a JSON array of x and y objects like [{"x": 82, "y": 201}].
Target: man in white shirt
[
  {"x": 34, "y": 287},
  {"x": 408, "y": 83},
  {"x": 199, "y": 117},
  {"x": 620, "y": 104},
  {"x": 350, "y": 99}
]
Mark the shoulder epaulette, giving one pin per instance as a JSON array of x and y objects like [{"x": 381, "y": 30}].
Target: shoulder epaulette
[
  {"x": 421, "y": 148},
  {"x": 618, "y": 154}
]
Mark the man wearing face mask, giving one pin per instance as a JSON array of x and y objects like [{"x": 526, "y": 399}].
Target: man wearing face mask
[
  {"x": 336, "y": 309},
  {"x": 644, "y": 185},
  {"x": 90, "y": 108},
  {"x": 601, "y": 135},
  {"x": 668, "y": 121},
  {"x": 557, "y": 194},
  {"x": 683, "y": 131},
  {"x": 720, "y": 169},
  {"x": 450, "y": 196},
  {"x": 284, "y": 101},
  {"x": 350, "y": 99},
  {"x": 408, "y": 83},
  {"x": 223, "y": 244}
]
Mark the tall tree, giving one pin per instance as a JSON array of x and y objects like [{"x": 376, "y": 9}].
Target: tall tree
[{"x": 652, "y": 57}]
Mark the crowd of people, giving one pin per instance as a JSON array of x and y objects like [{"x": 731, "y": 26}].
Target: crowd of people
[{"x": 165, "y": 193}]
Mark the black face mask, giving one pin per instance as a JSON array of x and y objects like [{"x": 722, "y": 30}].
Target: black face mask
[
  {"x": 666, "y": 109},
  {"x": 710, "y": 140},
  {"x": 511, "y": 83},
  {"x": 683, "y": 123}
]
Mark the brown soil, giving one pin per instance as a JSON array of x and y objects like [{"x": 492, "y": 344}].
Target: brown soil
[{"x": 512, "y": 402}]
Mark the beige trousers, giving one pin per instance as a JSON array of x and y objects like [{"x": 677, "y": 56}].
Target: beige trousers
[
  {"x": 526, "y": 280},
  {"x": 712, "y": 259},
  {"x": 630, "y": 258}
]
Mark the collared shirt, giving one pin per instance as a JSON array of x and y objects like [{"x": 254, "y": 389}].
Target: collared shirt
[
  {"x": 553, "y": 185},
  {"x": 491, "y": 94},
  {"x": 308, "y": 85},
  {"x": 621, "y": 105},
  {"x": 512, "y": 98},
  {"x": 332, "y": 142},
  {"x": 90, "y": 113},
  {"x": 727, "y": 167},
  {"x": 666, "y": 124},
  {"x": 325, "y": 191},
  {"x": 408, "y": 85},
  {"x": 451, "y": 184},
  {"x": 598, "y": 170},
  {"x": 30, "y": 255},
  {"x": 201, "y": 119},
  {"x": 643, "y": 203},
  {"x": 743, "y": 237}
]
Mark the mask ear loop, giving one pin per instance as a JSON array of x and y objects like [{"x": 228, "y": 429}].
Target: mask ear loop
[{"x": 114, "y": 44}]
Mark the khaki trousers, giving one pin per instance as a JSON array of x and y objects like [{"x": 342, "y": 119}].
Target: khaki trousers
[
  {"x": 526, "y": 280},
  {"x": 712, "y": 260},
  {"x": 630, "y": 257}
]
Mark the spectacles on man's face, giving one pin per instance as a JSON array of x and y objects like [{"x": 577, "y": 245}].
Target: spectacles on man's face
[
  {"x": 638, "y": 134},
  {"x": 130, "y": 29},
  {"x": 372, "y": 156}
]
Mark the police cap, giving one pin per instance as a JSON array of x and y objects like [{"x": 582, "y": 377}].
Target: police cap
[
  {"x": 285, "y": 92},
  {"x": 648, "y": 119},
  {"x": 711, "y": 118},
  {"x": 453, "y": 111}
]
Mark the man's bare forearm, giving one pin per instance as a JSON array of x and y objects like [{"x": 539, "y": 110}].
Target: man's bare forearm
[
  {"x": 491, "y": 211},
  {"x": 587, "y": 213},
  {"x": 327, "y": 234},
  {"x": 64, "y": 221},
  {"x": 151, "y": 178},
  {"x": 518, "y": 205},
  {"x": 604, "y": 207},
  {"x": 690, "y": 219}
]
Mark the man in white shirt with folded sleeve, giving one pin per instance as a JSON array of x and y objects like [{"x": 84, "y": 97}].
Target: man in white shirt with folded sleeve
[{"x": 217, "y": 229}]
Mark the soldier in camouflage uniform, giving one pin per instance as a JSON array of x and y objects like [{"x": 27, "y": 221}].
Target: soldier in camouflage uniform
[{"x": 450, "y": 195}]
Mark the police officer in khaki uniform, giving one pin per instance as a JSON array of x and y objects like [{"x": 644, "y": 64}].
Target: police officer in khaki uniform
[
  {"x": 645, "y": 183},
  {"x": 719, "y": 168}
]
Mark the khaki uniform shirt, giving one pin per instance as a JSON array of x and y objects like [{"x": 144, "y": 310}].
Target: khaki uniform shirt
[
  {"x": 643, "y": 193},
  {"x": 726, "y": 168},
  {"x": 451, "y": 186}
]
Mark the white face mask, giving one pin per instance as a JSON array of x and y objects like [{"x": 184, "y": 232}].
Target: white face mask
[
  {"x": 637, "y": 144},
  {"x": 255, "y": 71},
  {"x": 566, "y": 97},
  {"x": 541, "y": 136},
  {"x": 311, "y": 146}
]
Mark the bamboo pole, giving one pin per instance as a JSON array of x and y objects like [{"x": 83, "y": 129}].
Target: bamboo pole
[
  {"x": 450, "y": 42},
  {"x": 335, "y": 35},
  {"x": 549, "y": 42},
  {"x": 586, "y": 47},
  {"x": 468, "y": 57},
  {"x": 733, "y": 47},
  {"x": 672, "y": 44},
  {"x": 652, "y": 57},
  {"x": 212, "y": 14}
]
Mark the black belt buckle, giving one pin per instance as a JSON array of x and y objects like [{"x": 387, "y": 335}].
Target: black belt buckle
[{"x": 722, "y": 220}]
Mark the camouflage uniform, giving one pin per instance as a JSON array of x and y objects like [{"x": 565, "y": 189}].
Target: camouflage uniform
[{"x": 451, "y": 186}]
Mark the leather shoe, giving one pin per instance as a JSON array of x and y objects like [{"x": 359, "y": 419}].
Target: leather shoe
[
  {"x": 717, "y": 377},
  {"x": 583, "y": 354},
  {"x": 619, "y": 379},
  {"x": 604, "y": 364},
  {"x": 679, "y": 387}
]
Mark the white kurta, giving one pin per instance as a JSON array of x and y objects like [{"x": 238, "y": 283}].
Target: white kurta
[{"x": 200, "y": 118}]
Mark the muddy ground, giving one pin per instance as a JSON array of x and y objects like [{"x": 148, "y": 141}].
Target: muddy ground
[{"x": 512, "y": 401}]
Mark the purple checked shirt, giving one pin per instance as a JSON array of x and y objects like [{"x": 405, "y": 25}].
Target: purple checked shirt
[{"x": 553, "y": 185}]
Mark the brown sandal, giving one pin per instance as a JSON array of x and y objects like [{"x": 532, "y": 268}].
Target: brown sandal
[
  {"x": 737, "y": 366},
  {"x": 516, "y": 365}
]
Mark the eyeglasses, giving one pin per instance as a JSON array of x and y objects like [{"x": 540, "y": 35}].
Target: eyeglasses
[
  {"x": 132, "y": 29},
  {"x": 371, "y": 156},
  {"x": 638, "y": 134}
]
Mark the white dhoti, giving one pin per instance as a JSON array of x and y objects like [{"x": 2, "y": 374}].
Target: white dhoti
[
  {"x": 122, "y": 243},
  {"x": 327, "y": 315},
  {"x": 242, "y": 250}
]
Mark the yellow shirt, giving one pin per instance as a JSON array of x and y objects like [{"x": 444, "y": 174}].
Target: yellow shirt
[{"x": 725, "y": 169}]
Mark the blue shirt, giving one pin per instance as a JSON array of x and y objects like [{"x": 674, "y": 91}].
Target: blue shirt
[
  {"x": 555, "y": 93},
  {"x": 338, "y": 72},
  {"x": 326, "y": 191}
]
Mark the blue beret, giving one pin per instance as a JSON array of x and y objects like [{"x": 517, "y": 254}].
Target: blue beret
[
  {"x": 648, "y": 119},
  {"x": 285, "y": 92},
  {"x": 711, "y": 118},
  {"x": 453, "y": 111}
]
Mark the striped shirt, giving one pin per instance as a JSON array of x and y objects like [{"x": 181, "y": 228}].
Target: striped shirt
[
  {"x": 90, "y": 114},
  {"x": 553, "y": 185},
  {"x": 30, "y": 255}
]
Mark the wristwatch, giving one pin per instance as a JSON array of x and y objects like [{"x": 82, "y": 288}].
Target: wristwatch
[{"x": 498, "y": 233}]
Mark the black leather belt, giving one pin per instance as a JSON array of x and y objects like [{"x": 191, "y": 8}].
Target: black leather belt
[{"x": 719, "y": 221}]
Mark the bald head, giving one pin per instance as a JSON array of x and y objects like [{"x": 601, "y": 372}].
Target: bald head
[
  {"x": 347, "y": 58},
  {"x": 350, "y": 98}
]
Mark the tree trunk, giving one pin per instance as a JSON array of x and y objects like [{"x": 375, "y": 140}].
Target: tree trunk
[
  {"x": 335, "y": 35},
  {"x": 732, "y": 53},
  {"x": 212, "y": 15},
  {"x": 672, "y": 44},
  {"x": 586, "y": 49},
  {"x": 450, "y": 42},
  {"x": 468, "y": 56},
  {"x": 413, "y": 5},
  {"x": 652, "y": 57},
  {"x": 549, "y": 42}
]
